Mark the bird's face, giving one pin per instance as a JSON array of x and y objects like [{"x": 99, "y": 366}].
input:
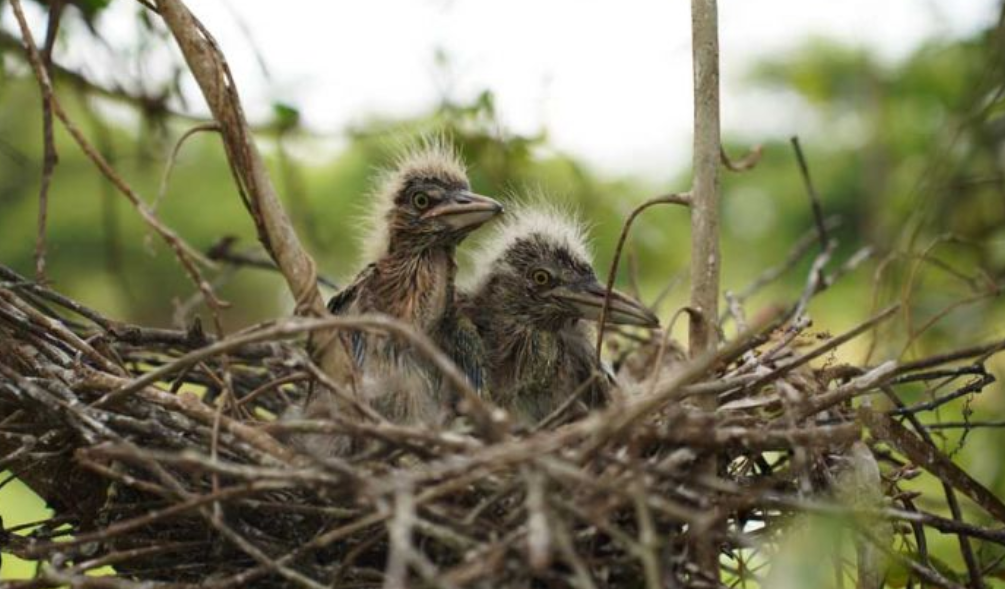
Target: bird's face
[
  {"x": 438, "y": 212},
  {"x": 552, "y": 286}
]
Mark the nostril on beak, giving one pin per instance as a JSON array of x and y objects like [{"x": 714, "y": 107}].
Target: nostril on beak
[{"x": 462, "y": 199}]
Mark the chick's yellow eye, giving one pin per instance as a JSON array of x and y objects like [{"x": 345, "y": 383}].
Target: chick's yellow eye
[
  {"x": 540, "y": 277},
  {"x": 421, "y": 201}
]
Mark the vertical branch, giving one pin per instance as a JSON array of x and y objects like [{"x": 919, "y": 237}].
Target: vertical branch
[
  {"x": 705, "y": 192},
  {"x": 49, "y": 156},
  {"x": 703, "y": 335}
]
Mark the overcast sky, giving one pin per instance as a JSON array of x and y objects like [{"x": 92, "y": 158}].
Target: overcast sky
[{"x": 609, "y": 79}]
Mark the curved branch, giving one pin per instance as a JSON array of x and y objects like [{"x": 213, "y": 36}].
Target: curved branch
[
  {"x": 681, "y": 198},
  {"x": 744, "y": 164},
  {"x": 173, "y": 159}
]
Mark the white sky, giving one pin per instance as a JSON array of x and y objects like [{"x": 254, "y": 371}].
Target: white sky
[{"x": 609, "y": 79}]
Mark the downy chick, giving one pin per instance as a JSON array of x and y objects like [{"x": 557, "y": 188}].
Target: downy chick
[
  {"x": 534, "y": 295},
  {"x": 423, "y": 209}
]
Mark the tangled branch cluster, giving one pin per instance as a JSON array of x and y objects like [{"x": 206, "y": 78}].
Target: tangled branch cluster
[{"x": 102, "y": 420}]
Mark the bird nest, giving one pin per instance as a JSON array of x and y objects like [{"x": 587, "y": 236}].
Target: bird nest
[{"x": 160, "y": 455}]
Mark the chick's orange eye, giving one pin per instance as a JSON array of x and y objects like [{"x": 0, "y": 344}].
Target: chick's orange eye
[
  {"x": 421, "y": 201},
  {"x": 540, "y": 277}
]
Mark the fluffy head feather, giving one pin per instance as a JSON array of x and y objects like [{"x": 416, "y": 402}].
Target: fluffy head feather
[
  {"x": 538, "y": 220},
  {"x": 430, "y": 158}
]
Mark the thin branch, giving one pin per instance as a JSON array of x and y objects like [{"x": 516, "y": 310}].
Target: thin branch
[
  {"x": 201, "y": 128},
  {"x": 223, "y": 251},
  {"x": 932, "y": 460},
  {"x": 973, "y": 569},
  {"x": 49, "y": 156},
  {"x": 818, "y": 211},
  {"x": 799, "y": 249},
  {"x": 682, "y": 199}
]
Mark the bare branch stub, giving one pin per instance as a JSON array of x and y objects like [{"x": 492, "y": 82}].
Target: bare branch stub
[{"x": 746, "y": 163}]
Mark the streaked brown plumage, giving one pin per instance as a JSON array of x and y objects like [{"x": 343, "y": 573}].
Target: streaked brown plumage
[
  {"x": 424, "y": 209},
  {"x": 535, "y": 290}
]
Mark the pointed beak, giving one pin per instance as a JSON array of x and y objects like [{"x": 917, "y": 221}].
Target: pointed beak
[
  {"x": 588, "y": 299},
  {"x": 466, "y": 210}
]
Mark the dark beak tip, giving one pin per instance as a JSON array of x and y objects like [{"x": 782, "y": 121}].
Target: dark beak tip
[{"x": 649, "y": 320}]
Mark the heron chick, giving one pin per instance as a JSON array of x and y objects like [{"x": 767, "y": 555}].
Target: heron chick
[
  {"x": 423, "y": 209},
  {"x": 534, "y": 294}
]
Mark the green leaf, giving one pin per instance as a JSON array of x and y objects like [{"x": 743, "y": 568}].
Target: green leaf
[
  {"x": 91, "y": 8},
  {"x": 286, "y": 116}
]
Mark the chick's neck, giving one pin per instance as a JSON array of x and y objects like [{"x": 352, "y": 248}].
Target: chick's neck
[{"x": 418, "y": 287}]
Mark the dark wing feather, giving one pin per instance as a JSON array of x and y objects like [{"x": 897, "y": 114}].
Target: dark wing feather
[
  {"x": 467, "y": 351},
  {"x": 344, "y": 298},
  {"x": 583, "y": 363},
  {"x": 464, "y": 342},
  {"x": 342, "y": 302}
]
